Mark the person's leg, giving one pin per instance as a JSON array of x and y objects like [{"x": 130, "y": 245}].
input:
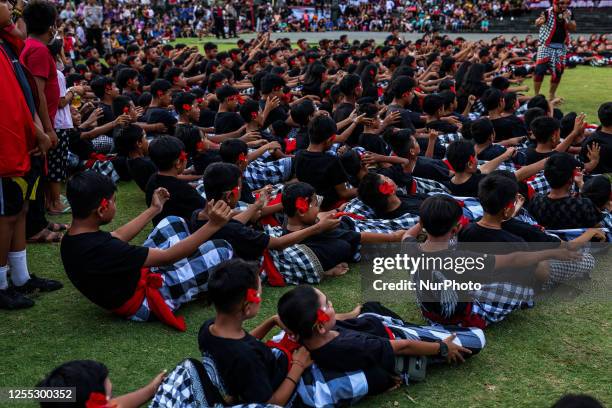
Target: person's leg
[
  {"x": 36, "y": 221},
  {"x": 538, "y": 77},
  {"x": 57, "y": 159}
]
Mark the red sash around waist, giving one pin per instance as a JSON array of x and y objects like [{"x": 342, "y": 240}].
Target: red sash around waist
[{"x": 148, "y": 286}]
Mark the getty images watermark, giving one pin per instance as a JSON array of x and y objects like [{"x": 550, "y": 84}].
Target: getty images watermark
[{"x": 392, "y": 273}]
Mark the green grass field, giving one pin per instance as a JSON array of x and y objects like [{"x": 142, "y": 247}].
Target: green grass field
[{"x": 531, "y": 359}]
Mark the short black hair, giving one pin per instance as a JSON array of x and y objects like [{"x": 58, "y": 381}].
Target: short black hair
[
  {"x": 230, "y": 149},
  {"x": 39, "y": 16},
  {"x": 297, "y": 310},
  {"x": 432, "y": 104},
  {"x": 510, "y": 99},
  {"x": 500, "y": 83},
  {"x": 401, "y": 85},
  {"x": 249, "y": 110},
  {"x": 228, "y": 284},
  {"x": 605, "y": 114},
  {"x": 577, "y": 401},
  {"x": 302, "y": 112},
  {"x": 532, "y": 114},
  {"x": 321, "y": 128},
  {"x": 181, "y": 99},
  {"x": 439, "y": 214},
  {"x": 86, "y": 190},
  {"x": 543, "y": 128},
  {"x": 291, "y": 192},
  {"x": 370, "y": 194},
  {"x": 349, "y": 83},
  {"x": 538, "y": 101},
  {"x": 190, "y": 135},
  {"x": 84, "y": 376},
  {"x": 281, "y": 128},
  {"x": 458, "y": 154},
  {"x": 567, "y": 124},
  {"x": 598, "y": 189},
  {"x": 225, "y": 92},
  {"x": 491, "y": 98},
  {"x": 449, "y": 98},
  {"x": 481, "y": 130},
  {"x": 210, "y": 46},
  {"x": 160, "y": 85},
  {"x": 172, "y": 74},
  {"x": 220, "y": 178},
  {"x": 119, "y": 104},
  {"x": 271, "y": 81},
  {"x": 495, "y": 192},
  {"x": 559, "y": 169},
  {"x": 124, "y": 75},
  {"x": 401, "y": 142},
  {"x": 126, "y": 139},
  {"x": 165, "y": 150},
  {"x": 99, "y": 85}
]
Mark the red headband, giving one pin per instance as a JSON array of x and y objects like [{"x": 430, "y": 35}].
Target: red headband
[
  {"x": 302, "y": 205},
  {"x": 386, "y": 188},
  {"x": 160, "y": 94},
  {"x": 254, "y": 115},
  {"x": 200, "y": 146},
  {"x": 186, "y": 107},
  {"x": 242, "y": 157},
  {"x": 236, "y": 192},
  {"x": 126, "y": 109},
  {"x": 104, "y": 204},
  {"x": 182, "y": 156},
  {"x": 252, "y": 296},
  {"x": 200, "y": 100},
  {"x": 332, "y": 138}
]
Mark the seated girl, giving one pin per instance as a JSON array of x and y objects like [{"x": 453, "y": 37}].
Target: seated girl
[
  {"x": 361, "y": 343},
  {"x": 249, "y": 371},
  {"x": 93, "y": 387},
  {"x": 131, "y": 142},
  {"x": 333, "y": 248},
  {"x": 379, "y": 193}
]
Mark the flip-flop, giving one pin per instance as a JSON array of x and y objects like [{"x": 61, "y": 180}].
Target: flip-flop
[
  {"x": 46, "y": 237},
  {"x": 66, "y": 210},
  {"x": 57, "y": 227}
]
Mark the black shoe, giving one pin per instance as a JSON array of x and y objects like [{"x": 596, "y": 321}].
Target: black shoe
[
  {"x": 41, "y": 284},
  {"x": 11, "y": 299}
]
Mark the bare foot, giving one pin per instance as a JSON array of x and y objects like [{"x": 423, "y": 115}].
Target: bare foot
[{"x": 337, "y": 270}]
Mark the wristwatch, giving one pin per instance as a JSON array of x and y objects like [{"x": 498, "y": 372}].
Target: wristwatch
[{"x": 443, "y": 352}]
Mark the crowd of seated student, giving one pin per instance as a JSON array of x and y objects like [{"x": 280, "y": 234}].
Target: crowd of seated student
[{"x": 266, "y": 136}]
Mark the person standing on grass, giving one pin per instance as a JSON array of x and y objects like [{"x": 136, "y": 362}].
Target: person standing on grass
[
  {"x": 22, "y": 135},
  {"x": 555, "y": 24},
  {"x": 218, "y": 18},
  {"x": 232, "y": 17},
  {"x": 93, "y": 14}
]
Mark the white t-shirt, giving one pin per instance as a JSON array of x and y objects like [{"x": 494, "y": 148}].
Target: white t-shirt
[{"x": 63, "y": 119}]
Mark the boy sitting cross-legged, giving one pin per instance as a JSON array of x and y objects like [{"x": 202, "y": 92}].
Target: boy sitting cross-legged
[{"x": 137, "y": 282}]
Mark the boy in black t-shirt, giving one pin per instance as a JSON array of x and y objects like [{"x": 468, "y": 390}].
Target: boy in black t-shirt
[
  {"x": 351, "y": 89},
  {"x": 440, "y": 217},
  {"x": 250, "y": 371},
  {"x": 433, "y": 106},
  {"x": 370, "y": 138},
  {"x": 158, "y": 111},
  {"x": 223, "y": 181},
  {"x": 547, "y": 133},
  {"x": 115, "y": 275},
  {"x": 227, "y": 120},
  {"x": 130, "y": 142},
  {"x": 603, "y": 138},
  {"x": 168, "y": 154},
  {"x": 507, "y": 127},
  {"x": 559, "y": 209},
  {"x": 484, "y": 135},
  {"x": 320, "y": 169},
  {"x": 462, "y": 157}
]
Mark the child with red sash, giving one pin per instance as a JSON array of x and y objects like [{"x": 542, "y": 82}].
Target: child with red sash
[{"x": 138, "y": 282}]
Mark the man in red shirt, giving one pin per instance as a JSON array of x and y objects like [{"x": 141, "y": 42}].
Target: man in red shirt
[{"x": 21, "y": 135}]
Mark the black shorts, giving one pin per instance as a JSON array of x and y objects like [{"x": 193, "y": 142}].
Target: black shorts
[{"x": 13, "y": 192}]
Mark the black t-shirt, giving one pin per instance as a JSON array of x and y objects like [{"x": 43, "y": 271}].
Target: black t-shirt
[
  {"x": 247, "y": 242},
  {"x": 226, "y": 122},
  {"x": 148, "y": 74},
  {"x": 409, "y": 119},
  {"x": 203, "y": 159},
  {"x": 374, "y": 143},
  {"x": 409, "y": 205},
  {"x": 160, "y": 115},
  {"x": 491, "y": 152},
  {"x": 528, "y": 232},
  {"x": 442, "y": 126},
  {"x": 605, "y": 155},
  {"x": 467, "y": 189},
  {"x": 322, "y": 171},
  {"x": 104, "y": 269},
  {"x": 279, "y": 113},
  {"x": 432, "y": 169},
  {"x": 207, "y": 118},
  {"x": 184, "y": 199},
  {"x": 508, "y": 127},
  {"x": 560, "y": 32},
  {"x": 439, "y": 149},
  {"x": 342, "y": 112},
  {"x": 107, "y": 114},
  {"x": 362, "y": 344},
  {"x": 564, "y": 213},
  {"x": 532, "y": 156},
  {"x": 141, "y": 169},
  {"x": 335, "y": 246},
  {"x": 248, "y": 368}
]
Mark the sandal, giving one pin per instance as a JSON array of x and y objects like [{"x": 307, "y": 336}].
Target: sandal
[
  {"x": 55, "y": 227},
  {"x": 45, "y": 237}
]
